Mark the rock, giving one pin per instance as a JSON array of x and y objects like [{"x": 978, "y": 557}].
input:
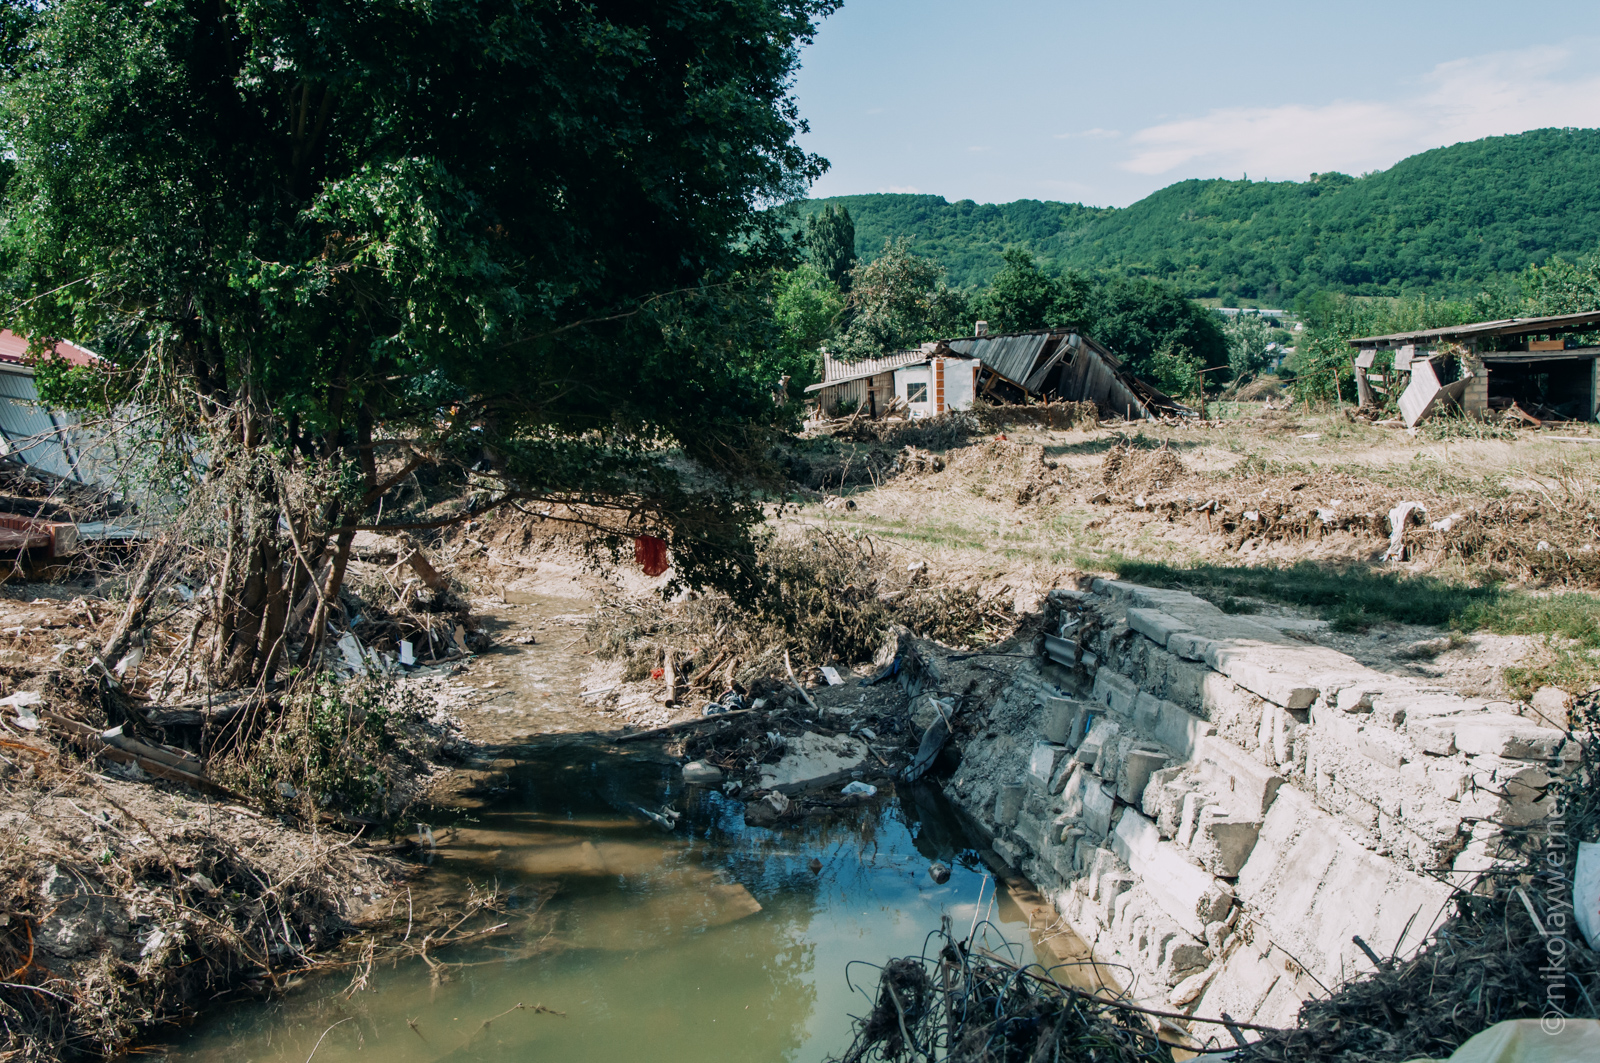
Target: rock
[
  {"x": 1102, "y": 735},
  {"x": 812, "y": 761},
  {"x": 1508, "y": 736},
  {"x": 1137, "y": 767},
  {"x": 699, "y": 773},
  {"x": 939, "y": 873},
  {"x": 1554, "y": 706},
  {"x": 1042, "y": 763},
  {"x": 1008, "y": 804}
]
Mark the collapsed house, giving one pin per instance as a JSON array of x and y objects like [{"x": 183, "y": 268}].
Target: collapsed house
[
  {"x": 1532, "y": 368},
  {"x": 1045, "y": 365}
]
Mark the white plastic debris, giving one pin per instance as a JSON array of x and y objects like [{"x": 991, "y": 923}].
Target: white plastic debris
[
  {"x": 350, "y": 648},
  {"x": 1586, "y": 893},
  {"x": 831, "y": 674},
  {"x": 1543, "y": 547},
  {"x": 408, "y": 653},
  {"x": 1398, "y": 516},
  {"x": 859, "y": 787},
  {"x": 22, "y": 698},
  {"x": 1446, "y": 524},
  {"x": 26, "y": 719},
  {"x": 1252, "y": 515},
  {"x": 1328, "y": 515}
]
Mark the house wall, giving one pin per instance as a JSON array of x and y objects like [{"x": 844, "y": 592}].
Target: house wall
[
  {"x": 960, "y": 382},
  {"x": 905, "y": 381},
  {"x": 834, "y": 395}
]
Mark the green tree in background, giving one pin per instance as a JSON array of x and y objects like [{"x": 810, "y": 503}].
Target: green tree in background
[
  {"x": 1135, "y": 318},
  {"x": 1248, "y": 336},
  {"x": 831, "y": 243},
  {"x": 897, "y": 301},
  {"x": 808, "y": 308},
  {"x": 1022, "y": 297},
  {"x": 513, "y": 233}
]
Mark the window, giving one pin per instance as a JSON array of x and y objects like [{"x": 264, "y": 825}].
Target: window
[{"x": 917, "y": 391}]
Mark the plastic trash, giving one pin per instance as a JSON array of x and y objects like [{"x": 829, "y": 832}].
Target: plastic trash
[
  {"x": 1529, "y": 1041},
  {"x": 22, "y": 699},
  {"x": 831, "y": 674},
  {"x": 939, "y": 873},
  {"x": 714, "y": 708},
  {"x": 26, "y": 719},
  {"x": 408, "y": 653},
  {"x": 859, "y": 787}
]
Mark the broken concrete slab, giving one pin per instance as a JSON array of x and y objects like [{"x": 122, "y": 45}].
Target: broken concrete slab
[
  {"x": 1137, "y": 767},
  {"x": 812, "y": 761},
  {"x": 1155, "y": 625},
  {"x": 1222, "y": 844},
  {"x": 1515, "y": 737},
  {"x": 1102, "y": 735},
  {"x": 1248, "y": 786},
  {"x": 1045, "y": 758}
]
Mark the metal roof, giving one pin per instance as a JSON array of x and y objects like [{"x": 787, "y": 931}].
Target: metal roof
[
  {"x": 859, "y": 376},
  {"x": 836, "y": 370},
  {"x": 30, "y": 431},
  {"x": 1514, "y": 326},
  {"x": 14, "y": 348},
  {"x": 1013, "y": 357}
]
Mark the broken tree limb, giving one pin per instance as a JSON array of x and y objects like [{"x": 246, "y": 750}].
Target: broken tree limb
[
  {"x": 88, "y": 738},
  {"x": 790, "y": 669},
  {"x": 134, "y": 616}
]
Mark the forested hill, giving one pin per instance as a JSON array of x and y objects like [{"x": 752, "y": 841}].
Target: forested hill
[{"x": 1446, "y": 221}]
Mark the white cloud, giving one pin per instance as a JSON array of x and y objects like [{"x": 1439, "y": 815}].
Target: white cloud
[
  {"x": 906, "y": 189},
  {"x": 987, "y": 147},
  {"x": 1465, "y": 99},
  {"x": 1091, "y": 134}
]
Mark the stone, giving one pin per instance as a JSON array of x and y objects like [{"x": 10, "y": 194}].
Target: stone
[
  {"x": 1043, "y": 761},
  {"x": 1248, "y": 786},
  {"x": 1031, "y": 830},
  {"x": 926, "y": 708},
  {"x": 1508, "y": 736},
  {"x": 1137, "y": 767},
  {"x": 1182, "y": 958},
  {"x": 1157, "y": 626},
  {"x": 1190, "y": 646},
  {"x": 1060, "y": 721},
  {"x": 1433, "y": 734},
  {"x": 1098, "y": 803},
  {"x": 1102, "y": 734},
  {"x": 812, "y": 761},
  {"x": 1383, "y": 747},
  {"x": 1223, "y": 843},
  {"x": 699, "y": 773},
  {"x": 1554, "y": 706},
  {"x": 1116, "y": 690},
  {"x": 1135, "y": 839},
  {"x": 1180, "y": 731},
  {"x": 1008, "y": 803}
]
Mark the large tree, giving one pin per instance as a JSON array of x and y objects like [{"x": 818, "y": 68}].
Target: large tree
[{"x": 312, "y": 234}]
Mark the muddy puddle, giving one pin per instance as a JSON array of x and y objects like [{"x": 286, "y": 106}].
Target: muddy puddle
[{"x": 712, "y": 940}]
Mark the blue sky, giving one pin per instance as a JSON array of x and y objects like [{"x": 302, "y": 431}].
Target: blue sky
[{"x": 1103, "y": 103}]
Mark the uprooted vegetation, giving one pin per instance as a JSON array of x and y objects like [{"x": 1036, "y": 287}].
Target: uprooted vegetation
[{"x": 830, "y": 598}]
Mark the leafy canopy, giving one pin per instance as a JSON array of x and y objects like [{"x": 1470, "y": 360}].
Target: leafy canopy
[{"x": 526, "y": 227}]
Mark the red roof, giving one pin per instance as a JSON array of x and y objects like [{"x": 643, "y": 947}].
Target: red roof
[{"x": 14, "y": 348}]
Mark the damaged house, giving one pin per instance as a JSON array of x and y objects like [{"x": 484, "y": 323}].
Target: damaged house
[
  {"x": 1533, "y": 368},
  {"x": 1045, "y": 365}
]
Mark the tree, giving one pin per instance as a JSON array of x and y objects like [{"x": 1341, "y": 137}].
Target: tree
[
  {"x": 1022, "y": 296},
  {"x": 1135, "y": 317},
  {"x": 340, "y": 242},
  {"x": 831, "y": 241},
  {"x": 807, "y": 308},
  {"x": 1248, "y": 337},
  {"x": 897, "y": 301}
]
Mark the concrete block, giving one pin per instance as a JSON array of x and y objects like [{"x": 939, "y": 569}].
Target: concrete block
[
  {"x": 1008, "y": 804},
  {"x": 1163, "y": 797},
  {"x": 1313, "y": 886},
  {"x": 1383, "y": 747},
  {"x": 1189, "y": 646},
  {"x": 1137, "y": 767},
  {"x": 1224, "y": 843},
  {"x": 812, "y": 761},
  {"x": 1044, "y": 759},
  {"x": 1031, "y": 830},
  {"x": 1190, "y": 896},
  {"x": 1246, "y": 785},
  {"x": 1146, "y": 712},
  {"x": 1116, "y": 690},
  {"x": 1098, "y": 802},
  {"x": 1135, "y": 839},
  {"x": 1183, "y": 958},
  {"x": 1009, "y": 852},
  {"x": 1060, "y": 715},
  {"x": 1113, "y": 588},
  {"x": 1180, "y": 731},
  {"x": 1508, "y": 736},
  {"x": 1158, "y": 627},
  {"x": 1186, "y": 683},
  {"x": 1433, "y": 734},
  {"x": 1112, "y": 888},
  {"x": 1102, "y": 735}
]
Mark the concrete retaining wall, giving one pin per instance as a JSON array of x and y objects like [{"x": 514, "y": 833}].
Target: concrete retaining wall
[{"x": 1227, "y": 806}]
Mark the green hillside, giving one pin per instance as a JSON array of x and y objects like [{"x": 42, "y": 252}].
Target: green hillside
[{"x": 1446, "y": 221}]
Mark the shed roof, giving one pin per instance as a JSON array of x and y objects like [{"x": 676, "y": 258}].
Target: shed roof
[
  {"x": 1514, "y": 326},
  {"x": 14, "y": 349},
  {"x": 1012, "y": 356}
]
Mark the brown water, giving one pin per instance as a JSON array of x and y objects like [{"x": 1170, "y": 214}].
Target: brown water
[{"x": 714, "y": 941}]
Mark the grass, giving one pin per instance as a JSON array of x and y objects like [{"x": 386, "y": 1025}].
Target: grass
[{"x": 1354, "y": 598}]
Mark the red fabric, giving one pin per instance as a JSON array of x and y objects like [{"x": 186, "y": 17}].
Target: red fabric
[
  {"x": 651, "y": 553},
  {"x": 1001, "y": 437}
]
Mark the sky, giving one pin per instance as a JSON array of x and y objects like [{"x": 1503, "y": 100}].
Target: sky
[{"x": 1103, "y": 103}]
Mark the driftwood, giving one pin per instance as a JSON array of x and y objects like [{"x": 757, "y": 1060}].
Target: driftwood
[
  {"x": 209, "y": 711},
  {"x": 175, "y": 765}
]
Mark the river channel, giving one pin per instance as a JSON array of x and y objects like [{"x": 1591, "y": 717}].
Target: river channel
[{"x": 714, "y": 940}]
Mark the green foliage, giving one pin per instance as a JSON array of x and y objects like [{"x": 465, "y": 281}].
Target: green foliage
[
  {"x": 807, "y": 309},
  {"x": 1248, "y": 337},
  {"x": 831, "y": 243},
  {"x": 897, "y": 301},
  {"x": 1136, "y": 317},
  {"x": 1175, "y": 370},
  {"x": 291, "y": 225},
  {"x": 1447, "y": 221},
  {"x": 1022, "y": 297}
]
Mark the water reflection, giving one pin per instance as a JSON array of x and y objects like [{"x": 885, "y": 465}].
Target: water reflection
[{"x": 715, "y": 940}]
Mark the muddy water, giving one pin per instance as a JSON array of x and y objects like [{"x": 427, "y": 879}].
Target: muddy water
[{"x": 713, "y": 940}]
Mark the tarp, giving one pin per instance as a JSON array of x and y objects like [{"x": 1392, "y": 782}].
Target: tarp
[{"x": 1552, "y": 1040}]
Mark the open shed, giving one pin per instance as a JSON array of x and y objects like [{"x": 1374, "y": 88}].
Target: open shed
[{"x": 1541, "y": 368}]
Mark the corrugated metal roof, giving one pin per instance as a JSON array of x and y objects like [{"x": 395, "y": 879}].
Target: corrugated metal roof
[
  {"x": 14, "y": 348},
  {"x": 835, "y": 369},
  {"x": 859, "y": 376},
  {"x": 1013, "y": 357},
  {"x": 1513, "y": 326},
  {"x": 29, "y": 431}
]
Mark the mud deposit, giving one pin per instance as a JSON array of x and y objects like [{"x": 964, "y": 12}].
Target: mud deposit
[{"x": 714, "y": 940}]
